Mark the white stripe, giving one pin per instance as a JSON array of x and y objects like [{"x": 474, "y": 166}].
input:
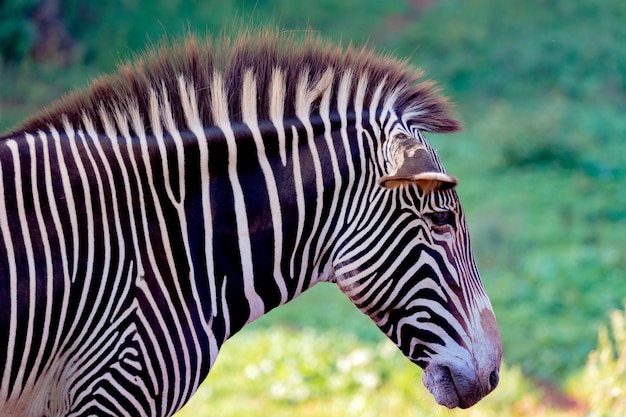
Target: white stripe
[
  {"x": 111, "y": 134},
  {"x": 54, "y": 211},
  {"x": 343, "y": 96},
  {"x": 68, "y": 195},
  {"x": 89, "y": 239},
  {"x": 337, "y": 176},
  {"x": 389, "y": 129},
  {"x": 249, "y": 116},
  {"x": 226, "y": 314},
  {"x": 214, "y": 347},
  {"x": 374, "y": 122},
  {"x": 11, "y": 257},
  {"x": 374, "y": 105},
  {"x": 168, "y": 115},
  {"x": 277, "y": 110},
  {"x": 30, "y": 259},
  {"x": 299, "y": 188},
  {"x": 121, "y": 121},
  {"x": 192, "y": 117},
  {"x": 362, "y": 141},
  {"x": 304, "y": 99},
  {"x": 219, "y": 106},
  {"x": 45, "y": 241}
]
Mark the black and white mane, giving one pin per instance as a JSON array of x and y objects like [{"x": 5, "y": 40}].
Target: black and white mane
[{"x": 268, "y": 54}]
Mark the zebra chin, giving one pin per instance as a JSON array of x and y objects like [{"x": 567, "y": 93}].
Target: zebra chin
[{"x": 458, "y": 386}]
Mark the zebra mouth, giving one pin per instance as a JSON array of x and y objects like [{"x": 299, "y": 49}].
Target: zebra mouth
[
  {"x": 438, "y": 380},
  {"x": 450, "y": 389}
]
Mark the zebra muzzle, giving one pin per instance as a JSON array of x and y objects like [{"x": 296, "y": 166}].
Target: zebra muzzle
[{"x": 455, "y": 387}]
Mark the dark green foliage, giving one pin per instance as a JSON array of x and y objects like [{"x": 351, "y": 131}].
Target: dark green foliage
[
  {"x": 17, "y": 33},
  {"x": 126, "y": 26},
  {"x": 502, "y": 49}
]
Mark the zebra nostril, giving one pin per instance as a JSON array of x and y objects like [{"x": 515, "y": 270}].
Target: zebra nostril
[{"x": 494, "y": 378}]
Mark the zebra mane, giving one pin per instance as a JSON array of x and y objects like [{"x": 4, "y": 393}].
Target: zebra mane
[{"x": 195, "y": 62}]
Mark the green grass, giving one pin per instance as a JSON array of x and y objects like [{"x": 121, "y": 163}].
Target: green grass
[{"x": 540, "y": 87}]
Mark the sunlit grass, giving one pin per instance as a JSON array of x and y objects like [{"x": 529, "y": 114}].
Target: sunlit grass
[{"x": 603, "y": 380}]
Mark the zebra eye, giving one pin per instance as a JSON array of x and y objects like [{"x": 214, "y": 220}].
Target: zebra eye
[{"x": 442, "y": 218}]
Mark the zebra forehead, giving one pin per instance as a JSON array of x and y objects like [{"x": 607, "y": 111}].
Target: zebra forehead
[{"x": 264, "y": 54}]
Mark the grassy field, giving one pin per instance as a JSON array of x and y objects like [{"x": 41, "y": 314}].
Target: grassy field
[{"x": 541, "y": 89}]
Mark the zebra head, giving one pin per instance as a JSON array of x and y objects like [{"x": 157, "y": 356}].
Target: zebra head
[{"x": 409, "y": 266}]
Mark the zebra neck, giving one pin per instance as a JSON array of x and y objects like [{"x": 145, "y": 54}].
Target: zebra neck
[{"x": 272, "y": 212}]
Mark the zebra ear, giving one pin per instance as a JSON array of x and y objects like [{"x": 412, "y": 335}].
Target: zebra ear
[{"x": 414, "y": 165}]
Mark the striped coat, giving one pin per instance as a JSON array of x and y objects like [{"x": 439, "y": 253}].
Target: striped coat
[{"x": 151, "y": 216}]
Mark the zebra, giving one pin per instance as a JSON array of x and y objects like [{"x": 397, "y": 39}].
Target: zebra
[{"x": 150, "y": 216}]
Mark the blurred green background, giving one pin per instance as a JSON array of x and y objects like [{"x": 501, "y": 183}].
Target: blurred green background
[{"x": 541, "y": 89}]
